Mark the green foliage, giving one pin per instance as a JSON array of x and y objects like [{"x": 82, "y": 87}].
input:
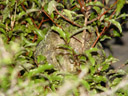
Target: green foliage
[{"x": 22, "y": 75}]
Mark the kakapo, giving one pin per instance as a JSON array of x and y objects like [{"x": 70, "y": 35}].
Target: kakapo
[{"x": 61, "y": 58}]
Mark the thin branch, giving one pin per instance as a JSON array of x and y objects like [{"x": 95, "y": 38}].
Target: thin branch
[
  {"x": 41, "y": 23},
  {"x": 67, "y": 18},
  {"x": 99, "y": 37},
  {"x": 89, "y": 22},
  {"x": 50, "y": 18},
  {"x": 104, "y": 29}
]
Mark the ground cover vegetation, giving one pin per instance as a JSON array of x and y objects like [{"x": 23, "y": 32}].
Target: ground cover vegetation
[{"x": 52, "y": 48}]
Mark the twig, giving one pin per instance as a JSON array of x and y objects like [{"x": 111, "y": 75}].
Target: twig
[
  {"x": 50, "y": 18},
  {"x": 104, "y": 29},
  {"x": 99, "y": 37},
  {"x": 67, "y": 18},
  {"x": 41, "y": 23},
  {"x": 89, "y": 22}
]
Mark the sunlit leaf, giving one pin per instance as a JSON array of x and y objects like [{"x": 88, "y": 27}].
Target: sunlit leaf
[
  {"x": 120, "y": 5},
  {"x": 117, "y": 24},
  {"x": 51, "y": 6},
  {"x": 86, "y": 84},
  {"x": 89, "y": 55},
  {"x": 116, "y": 33},
  {"x": 122, "y": 16},
  {"x": 2, "y": 30},
  {"x": 41, "y": 68},
  {"x": 97, "y": 3},
  {"x": 32, "y": 10},
  {"x": 98, "y": 9},
  {"x": 60, "y": 31},
  {"x": 41, "y": 58},
  {"x": 68, "y": 13},
  {"x": 40, "y": 33},
  {"x": 104, "y": 37}
]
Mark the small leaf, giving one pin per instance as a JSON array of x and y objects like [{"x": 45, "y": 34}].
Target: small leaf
[
  {"x": 104, "y": 37},
  {"x": 122, "y": 16},
  {"x": 41, "y": 58},
  {"x": 40, "y": 69},
  {"x": 92, "y": 70},
  {"x": 98, "y": 9},
  {"x": 105, "y": 67},
  {"x": 116, "y": 81},
  {"x": 51, "y": 6},
  {"x": 98, "y": 78},
  {"x": 6, "y": 13},
  {"x": 120, "y": 5},
  {"x": 86, "y": 84},
  {"x": 68, "y": 13},
  {"x": 91, "y": 58},
  {"x": 27, "y": 42},
  {"x": 60, "y": 31},
  {"x": 32, "y": 10},
  {"x": 40, "y": 33},
  {"x": 29, "y": 21},
  {"x": 110, "y": 60},
  {"x": 52, "y": 15},
  {"x": 117, "y": 24},
  {"x": 97, "y": 3},
  {"x": 2, "y": 30},
  {"x": 20, "y": 15},
  {"x": 66, "y": 47},
  {"x": 2, "y": 25},
  {"x": 116, "y": 33}
]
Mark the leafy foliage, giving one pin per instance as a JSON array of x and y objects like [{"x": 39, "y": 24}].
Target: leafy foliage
[{"x": 24, "y": 23}]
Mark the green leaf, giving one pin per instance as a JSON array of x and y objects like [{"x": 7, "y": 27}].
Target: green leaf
[
  {"x": 97, "y": 3},
  {"x": 6, "y": 13},
  {"x": 99, "y": 78},
  {"x": 89, "y": 55},
  {"x": 122, "y": 16},
  {"x": 86, "y": 84},
  {"x": 32, "y": 10},
  {"x": 68, "y": 13},
  {"x": 66, "y": 46},
  {"x": 110, "y": 60},
  {"x": 52, "y": 15},
  {"x": 40, "y": 69},
  {"x": 29, "y": 21},
  {"x": 104, "y": 37},
  {"x": 116, "y": 33},
  {"x": 116, "y": 81},
  {"x": 2, "y": 25},
  {"x": 120, "y": 5},
  {"x": 27, "y": 42},
  {"x": 2, "y": 30},
  {"x": 51, "y": 6},
  {"x": 20, "y": 15},
  {"x": 60, "y": 31},
  {"x": 40, "y": 33},
  {"x": 98, "y": 9},
  {"x": 41, "y": 58},
  {"x": 92, "y": 70},
  {"x": 82, "y": 58},
  {"x": 117, "y": 24},
  {"x": 105, "y": 67}
]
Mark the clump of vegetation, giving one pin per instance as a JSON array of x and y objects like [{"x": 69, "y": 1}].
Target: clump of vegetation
[{"x": 52, "y": 47}]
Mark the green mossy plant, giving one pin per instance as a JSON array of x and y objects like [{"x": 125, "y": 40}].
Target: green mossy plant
[{"x": 52, "y": 47}]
